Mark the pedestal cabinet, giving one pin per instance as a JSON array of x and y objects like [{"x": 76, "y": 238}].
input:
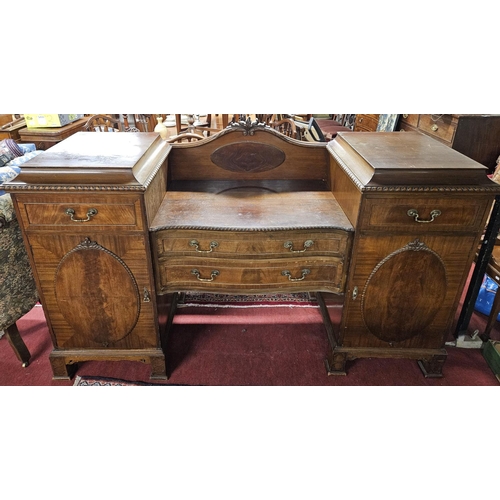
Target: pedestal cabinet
[
  {"x": 418, "y": 209},
  {"x": 84, "y": 207}
]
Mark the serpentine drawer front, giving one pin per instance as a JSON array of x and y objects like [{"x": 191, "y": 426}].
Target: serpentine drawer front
[
  {"x": 252, "y": 276},
  {"x": 251, "y": 244}
]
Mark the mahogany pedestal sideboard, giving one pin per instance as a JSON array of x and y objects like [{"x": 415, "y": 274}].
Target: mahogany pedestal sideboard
[{"x": 117, "y": 225}]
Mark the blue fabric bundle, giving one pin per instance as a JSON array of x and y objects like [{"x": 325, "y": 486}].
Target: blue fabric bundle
[{"x": 486, "y": 296}]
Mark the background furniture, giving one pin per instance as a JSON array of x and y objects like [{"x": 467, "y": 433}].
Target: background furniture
[
  {"x": 44, "y": 138},
  {"x": 102, "y": 123},
  {"x": 18, "y": 294},
  {"x": 366, "y": 123},
  {"x": 476, "y": 136},
  {"x": 331, "y": 127},
  {"x": 10, "y": 130},
  {"x": 286, "y": 126},
  {"x": 185, "y": 137}
]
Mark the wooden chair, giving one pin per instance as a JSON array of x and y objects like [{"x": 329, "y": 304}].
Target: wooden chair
[
  {"x": 102, "y": 123},
  {"x": 285, "y": 126},
  {"x": 185, "y": 137},
  {"x": 147, "y": 123},
  {"x": 18, "y": 294},
  {"x": 207, "y": 124}
]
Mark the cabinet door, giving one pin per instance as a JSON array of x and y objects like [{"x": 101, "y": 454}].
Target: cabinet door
[
  {"x": 404, "y": 291},
  {"x": 97, "y": 290}
]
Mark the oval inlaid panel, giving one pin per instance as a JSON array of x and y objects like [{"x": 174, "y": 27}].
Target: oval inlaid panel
[
  {"x": 248, "y": 157},
  {"x": 404, "y": 293},
  {"x": 97, "y": 294}
]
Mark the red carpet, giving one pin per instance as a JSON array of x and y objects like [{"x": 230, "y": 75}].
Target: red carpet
[{"x": 245, "y": 346}]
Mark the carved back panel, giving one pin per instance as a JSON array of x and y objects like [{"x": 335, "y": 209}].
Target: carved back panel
[{"x": 258, "y": 153}]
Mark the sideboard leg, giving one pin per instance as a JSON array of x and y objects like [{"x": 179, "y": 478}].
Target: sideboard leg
[
  {"x": 335, "y": 363},
  {"x": 432, "y": 367},
  {"x": 158, "y": 368},
  {"x": 60, "y": 370}
]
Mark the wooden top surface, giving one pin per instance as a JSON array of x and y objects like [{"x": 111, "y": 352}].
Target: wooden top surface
[
  {"x": 378, "y": 159},
  {"x": 95, "y": 158},
  {"x": 406, "y": 150},
  {"x": 250, "y": 209}
]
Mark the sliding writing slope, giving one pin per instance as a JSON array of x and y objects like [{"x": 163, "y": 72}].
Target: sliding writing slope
[
  {"x": 84, "y": 206},
  {"x": 418, "y": 209}
]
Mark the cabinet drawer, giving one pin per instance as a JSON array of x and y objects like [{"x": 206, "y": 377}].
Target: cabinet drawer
[
  {"x": 366, "y": 123},
  {"x": 76, "y": 214},
  {"x": 251, "y": 244},
  {"x": 442, "y": 128},
  {"x": 251, "y": 276},
  {"x": 424, "y": 214},
  {"x": 411, "y": 120}
]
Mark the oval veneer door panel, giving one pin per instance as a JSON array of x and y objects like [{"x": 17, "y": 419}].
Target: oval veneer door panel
[
  {"x": 404, "y": 293},
  {"x": 97, "y": 294},
  {"x": 248, "y": 157}
]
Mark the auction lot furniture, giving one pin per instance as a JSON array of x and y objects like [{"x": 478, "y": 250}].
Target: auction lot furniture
[{"x": 118, "y": 224}]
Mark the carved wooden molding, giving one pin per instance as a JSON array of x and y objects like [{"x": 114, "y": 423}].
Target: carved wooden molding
[
  {"x": 247, "y": 126},
  {"x": 248, "y": 229},
  {"x": 72, "y": 187},
  {"x": 409, "y": 189}
]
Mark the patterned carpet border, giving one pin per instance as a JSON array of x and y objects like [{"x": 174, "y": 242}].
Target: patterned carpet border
[
  {"x": 86, "y": 381},
  {"x": 302, "y": 299}
]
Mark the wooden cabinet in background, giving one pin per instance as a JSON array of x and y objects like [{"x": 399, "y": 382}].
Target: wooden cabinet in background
[
  {"x": 475, "y": 136},
  {"x": 366, "y": 123}
]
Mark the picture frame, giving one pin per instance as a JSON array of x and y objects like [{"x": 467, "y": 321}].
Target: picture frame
[{"x": 387, "y": 123}]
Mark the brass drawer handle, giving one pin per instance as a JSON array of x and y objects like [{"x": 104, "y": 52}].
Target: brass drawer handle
[
  {"x": 414, "y": 213},
  {"x": 434, "y": 128},
  {"x": 405, "y": 116},
  {"x": 305, "y": 272},
  {"x": 91, "y": 212},
  {"x": 196, "y": 245},
  {"x": 307, "y": 244},
  {"x": 213, "y": 275}
]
